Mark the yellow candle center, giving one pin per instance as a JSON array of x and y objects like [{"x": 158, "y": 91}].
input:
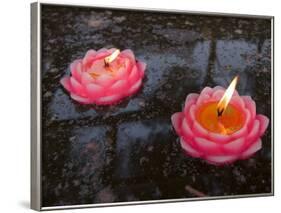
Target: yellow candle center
[{"x": 229, "y": 122}]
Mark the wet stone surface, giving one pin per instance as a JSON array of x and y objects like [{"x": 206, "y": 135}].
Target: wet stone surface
[{"x": 129, "y": 151}]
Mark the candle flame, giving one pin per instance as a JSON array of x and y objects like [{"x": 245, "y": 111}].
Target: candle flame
[
  {"x": 224, "y": 101},
  {"x": 112, "y": 57}
]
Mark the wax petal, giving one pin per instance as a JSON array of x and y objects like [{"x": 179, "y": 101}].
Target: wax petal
[
  {"x": 235, "y": 146},
  {"x": 252, "y": 149},
  {"x": 65, "y": 81},
  {"x": 249, "y": 119},
  {"x": 128, "y": 65},
  {"x": 264, "y": 121},
  {"x": 141, "y": 67},
  {"x": 186, "y": 130},
  {"x": 203, "y": 98},
  {"x": 102, "y": 50},
  {"x": 207, "y": 91},
  {"x": 199, "y": 130},
  {"x": 250, "y": 105},
  {"x": 207, "y": 147},
  {"x": 238, "y": 102},
  {"x": 219, "y": 137},
  {"x": 105, "y": 80},
  {"x": 122, "y": 73},
  {"x": 254, "y": 132},
  {"x": 135, "y": 87},
  {"x": 80, "y": 99},
  {"x": 89, "y": 57},
  {"x": 221, "y": 159},
  {"x": 217, "y": 95},
  {"x": 94, "y": 91},
  {"x": 217, "y": 88},
  {"x": 76, "y": 69},
  {"x": 240, "y": 133},
  {"x": 192, "y": 97},
  {"x": 189, "y": 149},
  {"x": 108, "y": 99},
  {"x": 191, "y": 115},
  {"x": 129, "y": 54},
  {"x": 134, "y": 75},
  {"x": 102, "y": 53},
  {"x": 118, "y": 87},
  {"x": 177, "y": 121},
  {"x": 235, "y": 93},
  {"x": 112, "y": 50},
  {"x": 86, "y": 78},
  {"x": 77, "y": 87},
  {"x": 189, "y": 101}
]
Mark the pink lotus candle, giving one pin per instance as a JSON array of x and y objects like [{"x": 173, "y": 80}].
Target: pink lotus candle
[
  {"x": 104, "y": 77},
  {"x": 220, "y": 126}
]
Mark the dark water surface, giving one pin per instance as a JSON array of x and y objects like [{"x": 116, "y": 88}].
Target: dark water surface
[{"x": 129, "y": 152}]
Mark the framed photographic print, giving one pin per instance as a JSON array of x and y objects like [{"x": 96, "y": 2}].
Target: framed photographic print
[{"x": 134, "y": 105}]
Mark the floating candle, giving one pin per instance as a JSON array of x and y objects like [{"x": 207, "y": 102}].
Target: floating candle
[
  {"x": 104, "y": 77},
  {"x": 219, "y": 125}
]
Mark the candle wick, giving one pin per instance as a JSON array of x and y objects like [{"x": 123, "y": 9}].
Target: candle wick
[
  {"x": 106, "y": 64},
  {"x": 220, "y": 111}
]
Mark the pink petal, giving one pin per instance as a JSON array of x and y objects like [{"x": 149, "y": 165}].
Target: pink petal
[
  {"x": 80, "y": 99},
  {"x": 189, "y": 149},
  {"x": 104, "y": 80},
  {"x": 250, "y": 105},
  {"x": 192, "y": 97},
  {"x": 254, "y": 133},
  {"x": 128, "y": 64},
  {"x": 238, "y": 102},
  {"x": 86, "y": 78},
  {"x": 177, "y": 120},
  {"x": 89, "y": 57},
  {"x": 77, "y": 87},
  {"x": 118, "y": 87},
  {"x": 94, "y": 91},
  {"x": 111, "y": 50},
  {"x": 207, "y": 147},
  {"x": 102, "y": 50},
  {"x": 76, "y": 69},
  {"x": 135, "y": 87},
  {"x": 248, "y": 120},
  {"x": 199, "y": 130},
  {"x": 207, "y": 91},
  {"x": 235, "y": 146},
  {"x": 65, "y": 81},
  {"x": 264, "y": 121},
  {"x": 221, "y": 159},
  {"x": 217, "y": 95},
  {"x": 252, "y": 149},
  {"x": 190, "y": 100},
  {"x": 203, "y": 98},
  {"x": 217, "y": 88},
  {"x": 134, "y": 75},
  {"x": 108, "y": 99},
  {"x": 185, "y": 129},
  {"x": 102, "y": 53},
  {"x": 141, "y": 67},
  {"x": 122, "y": 73},
  {"x": 219, "y": 137},
  {"x": 191, "y": 114},
  {"x": 129, "y": 54},
  {"x": 240, "y": 133}
]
